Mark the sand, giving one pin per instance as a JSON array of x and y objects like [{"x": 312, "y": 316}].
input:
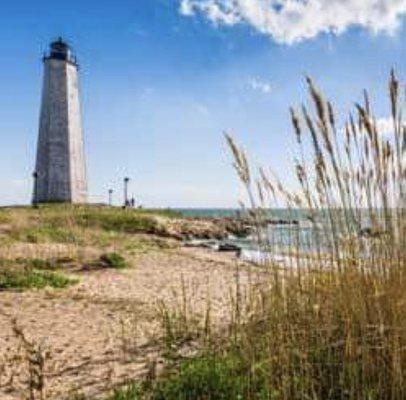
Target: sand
[{"x": 104, "y": 331}]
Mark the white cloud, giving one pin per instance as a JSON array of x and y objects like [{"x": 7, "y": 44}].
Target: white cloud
[
  {"x": 290, "y": 21},
  {"x": 384, "y": 126},
  {"x": 259, "y": 85}
]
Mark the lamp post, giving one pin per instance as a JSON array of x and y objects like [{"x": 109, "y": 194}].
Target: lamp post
[
  {"x": 126, "y": 180},
  {"x": 35, "y": 197},
  {"x": 110, "y": 197}
]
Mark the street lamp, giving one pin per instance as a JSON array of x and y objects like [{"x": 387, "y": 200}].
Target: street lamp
[
  {"x": 126, "y": 180},
  {"x": 110, "y": 197}
]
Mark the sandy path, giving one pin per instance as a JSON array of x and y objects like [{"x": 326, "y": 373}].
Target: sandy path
[{"x": 101, "y": 332}]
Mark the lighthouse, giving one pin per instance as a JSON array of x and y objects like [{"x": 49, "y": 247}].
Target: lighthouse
[{"x": 60, "y": 172}]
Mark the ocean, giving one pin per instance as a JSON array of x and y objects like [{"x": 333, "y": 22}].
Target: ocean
[
  {"x": 275, "y": 213},
  {"x": 280, "y": 238}
]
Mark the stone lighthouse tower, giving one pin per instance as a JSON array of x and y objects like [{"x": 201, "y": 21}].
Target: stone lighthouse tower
[{"x": 60, "y": 173}]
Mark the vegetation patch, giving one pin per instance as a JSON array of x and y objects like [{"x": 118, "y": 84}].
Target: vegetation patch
[
  {"x": 204, "y": 377},
  {"x": 59, "y": 223},
  {"x": 109, "y": 219},
  {"x": 46, "y": 233},
  {"x": 4, "y": 217},
  {"x": 29, "y": 278},
  {"x": 113, "y": 260},
  {"x": 51, "y": 264},
  {"x": 212, "y": 378}
]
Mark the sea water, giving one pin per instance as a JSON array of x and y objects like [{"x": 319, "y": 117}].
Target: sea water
[{"x": 295, "y": 231}]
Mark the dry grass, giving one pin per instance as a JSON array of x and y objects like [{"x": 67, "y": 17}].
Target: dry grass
[
  {"x": 332, "y": 325},
  {"x": 336, "y": 328}
]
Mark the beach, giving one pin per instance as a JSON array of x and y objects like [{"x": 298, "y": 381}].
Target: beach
[{"x": 105, "y": 331}]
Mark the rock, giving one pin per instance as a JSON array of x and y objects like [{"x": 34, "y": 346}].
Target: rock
[{"x": 223, "y": 247}]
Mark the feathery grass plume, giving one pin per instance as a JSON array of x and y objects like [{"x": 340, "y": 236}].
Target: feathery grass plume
[
  {"x": 296, "y": 125},
  {"x": 394, "y": 94},
  {"x": 240, "y": 161},
  {"x": 328, "y": 321},
  {"x": 336, "y": 328}
]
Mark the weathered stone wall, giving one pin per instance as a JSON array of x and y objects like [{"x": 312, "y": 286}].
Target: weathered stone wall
[{"x": 60, "y": 162}]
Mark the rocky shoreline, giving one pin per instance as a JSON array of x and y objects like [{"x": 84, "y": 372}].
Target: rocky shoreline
[
  {"x": 216, "y": 228},
  {"x": 225, "y": 234},
  {"x": 185, "y": 229}
]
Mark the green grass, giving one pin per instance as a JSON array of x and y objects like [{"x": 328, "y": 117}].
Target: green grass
[
  {"x": 80, "y": 225},
  {"x": 211, "y": 378},
  {"x": 60, "y": 223},
  {"x": 203, "y": 378},
  {"x": 132, "y": 392},
  {"x": 107, "y": 218},
  {"x": 28, "y": 278},
  {"x": 117, "y": 220}
]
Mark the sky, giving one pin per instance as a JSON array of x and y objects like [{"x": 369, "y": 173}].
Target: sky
[{"x": 161, "y": 80}]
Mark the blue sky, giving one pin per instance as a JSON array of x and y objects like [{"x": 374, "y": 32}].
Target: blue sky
[{"x": 160, "y": 84}]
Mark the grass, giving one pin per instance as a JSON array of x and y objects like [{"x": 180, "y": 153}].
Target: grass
[
  {"x": 116, "y": 220},
  {"x": 335, "y": 327},
  {"x": 79, "y": 232},
  {"x": 211, "y": 377},
  {"x": 36, "y": 243},
  {"x": 17, "y": 277},
  {"x": 47, "y": 234},
  {"x": 59, "y": 223},
  {"x": 204, "y": 377}
]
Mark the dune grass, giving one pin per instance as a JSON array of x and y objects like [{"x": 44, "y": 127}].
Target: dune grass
[
  {"x": 79, "y": 229},
  {"x": 330, "y": 326},
  {"x": 60, "y": 223}
]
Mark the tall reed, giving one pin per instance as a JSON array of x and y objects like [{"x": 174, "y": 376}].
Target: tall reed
[{"x": 331, "y": 324}]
